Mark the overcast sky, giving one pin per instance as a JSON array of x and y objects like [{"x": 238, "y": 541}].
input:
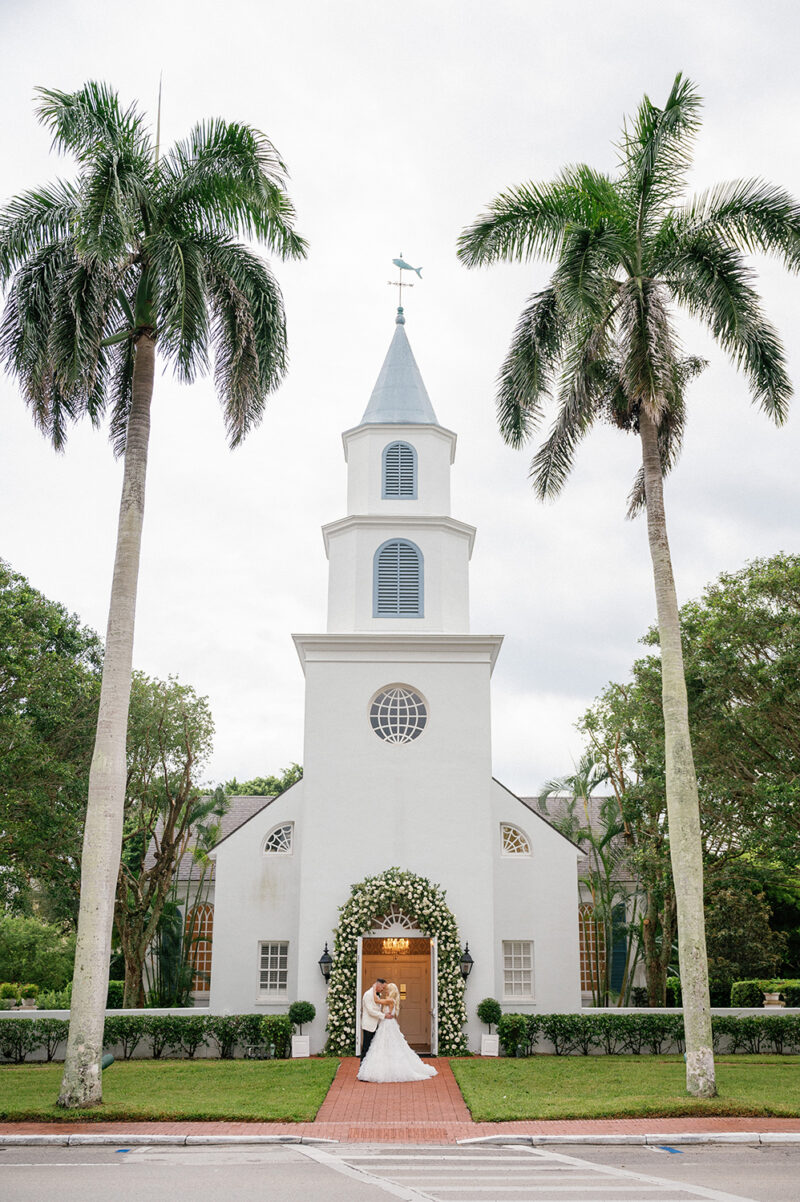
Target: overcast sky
[{"x": 399, "y": 122}]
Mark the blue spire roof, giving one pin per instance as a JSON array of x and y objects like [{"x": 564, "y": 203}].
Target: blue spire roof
[{"x": 399, "y": 396}]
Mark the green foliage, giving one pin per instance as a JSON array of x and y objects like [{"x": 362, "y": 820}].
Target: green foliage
[
  {"x": 125, "y": 1029},
  {"x": 31, "y": 950},
  {"x": 302, "y": 1012},
  {"x": 517, "y": 1031},
  {"x": 277, "y": 1030},
  {"x": 739, "y": 939},
  {"x": 116, "y": 990},
  {"x": 674, "y": 996},
  {"x": 49, "y": 687},
  {"x": 747, "y": 993},
  {"x": 57, "y": 999},
  {"x": 192, "y": 1033},
  {"x": 29, "y": 991},
  {"x": 52, "y": 1032},
  {"x": 165, "y": 1033},
  {"x": 265, "y": 786},
  {"x": 18, "y": 1038},
  {"x": 489, "y": 1012},
  {"x": 9, "y": 990},
  {"x": 224, "y": 1031}
]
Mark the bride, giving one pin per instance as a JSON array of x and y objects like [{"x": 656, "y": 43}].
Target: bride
[{"x": 389, "y": 1057}]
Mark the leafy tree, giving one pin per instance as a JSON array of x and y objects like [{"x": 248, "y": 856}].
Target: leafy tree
[
  {"x": 31, "y": 950},
  {"x": 741, "y": 647},
  {"x": 627, "y": 250},
  {"x": 139, "y": 256},
  {"x": 264, "y": 786},
  {"x": 741, "y": 943},
  {"x": 169, "y": 739},
  {"x": 49, "y": 688}
]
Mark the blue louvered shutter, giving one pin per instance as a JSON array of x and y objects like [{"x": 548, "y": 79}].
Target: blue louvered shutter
[
  {"x": 400, "y": 470},
  {"x": 398, "y": 580}
]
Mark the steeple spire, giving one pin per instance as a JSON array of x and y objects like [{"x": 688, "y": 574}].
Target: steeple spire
[{"x": 399, "y": 396}]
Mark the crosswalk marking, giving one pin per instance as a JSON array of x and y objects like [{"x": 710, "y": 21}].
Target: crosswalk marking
[{"x": 532, "y": 1175}]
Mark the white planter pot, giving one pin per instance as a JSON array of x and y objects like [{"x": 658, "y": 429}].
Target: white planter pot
[
  {"x": 490, "y": 1045},
  {"x": 301, "y": 1046}
]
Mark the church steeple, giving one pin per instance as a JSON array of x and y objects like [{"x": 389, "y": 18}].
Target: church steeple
[{"x": 399, "y": 397}]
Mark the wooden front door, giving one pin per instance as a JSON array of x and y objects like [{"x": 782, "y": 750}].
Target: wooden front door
[{"x": 412, "y": 975}]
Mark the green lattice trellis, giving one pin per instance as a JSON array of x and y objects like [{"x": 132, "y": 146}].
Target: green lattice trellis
[{"x": 422, "y": 902}]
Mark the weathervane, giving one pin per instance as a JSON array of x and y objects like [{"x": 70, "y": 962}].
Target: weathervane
[{"x": 402, "y": 266}]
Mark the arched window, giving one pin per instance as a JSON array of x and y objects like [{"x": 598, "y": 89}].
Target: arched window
[
  {"x": 279, "y": 840},
  {"x": 199, "y": 936},
  {"x": 399, "y": 475},
  {"x": 515, "y": 841},
  {"x": 397, "y": 577}
]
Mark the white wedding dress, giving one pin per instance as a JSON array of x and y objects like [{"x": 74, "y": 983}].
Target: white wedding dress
[{"x": 391, "y": 1059}]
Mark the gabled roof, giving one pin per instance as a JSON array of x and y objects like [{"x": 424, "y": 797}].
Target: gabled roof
[
  {"x": 528, "y": 802},
  {"x": 263, "y": 802},
  {"x": 240, "y": 810},
  {"x": 399, "y": 396}
]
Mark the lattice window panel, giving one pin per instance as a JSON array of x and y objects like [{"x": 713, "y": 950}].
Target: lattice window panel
[
  {"x": 515, "y": 842},
  {"x": 274, "y": 968},
  {"x": 399, "y": 470},
  {"x": 398, "y": 714},
  {"x": 199, "y": 936},
  {"x": 394, "y": 920},
  {"x": 279, "y": 841},
  {"x": 398, "y": 580},
  {"x": 517, "y": 968},
  {"x": 592, "y": 942}
]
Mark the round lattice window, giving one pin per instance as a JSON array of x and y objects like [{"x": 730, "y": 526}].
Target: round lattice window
[{"x": 398, "y": 714}]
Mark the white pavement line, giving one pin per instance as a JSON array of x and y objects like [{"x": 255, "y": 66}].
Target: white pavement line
[
  {"x": 577, "y": 1189},
  {"x": 698, "y": 1191},
  {"x": 341, "y": 1166},
  {"x": 63, "y": 1164}
]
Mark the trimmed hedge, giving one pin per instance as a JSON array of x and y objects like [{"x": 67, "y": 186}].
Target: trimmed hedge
[
  {"x": 639, "y": 1034},
  {"x": 751, "y": 993},
  {"x": 178, "y": 1035}
]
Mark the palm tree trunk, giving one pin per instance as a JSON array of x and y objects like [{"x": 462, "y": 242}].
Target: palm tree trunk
[
  {"x": 81, "y": 1084},
  {"x": 683, "y": 809}
]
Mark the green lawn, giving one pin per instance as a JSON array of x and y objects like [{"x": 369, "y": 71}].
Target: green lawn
[
  {"x": 569, "y": 1087},
  {"x": 250, "y": 1090}
]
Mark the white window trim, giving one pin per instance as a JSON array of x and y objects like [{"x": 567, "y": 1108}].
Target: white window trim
[
  {"x": 518, "y": 997},
  {"x": 269, "y": 851},
  {"x": 515, "y": 855},
  {"x": 272, "y": 995}
]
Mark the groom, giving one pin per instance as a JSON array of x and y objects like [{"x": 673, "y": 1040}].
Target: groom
[{"x": 371, "y": 1014}]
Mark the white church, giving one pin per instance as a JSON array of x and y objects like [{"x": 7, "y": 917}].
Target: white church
[{"x": 397, "y": 783}]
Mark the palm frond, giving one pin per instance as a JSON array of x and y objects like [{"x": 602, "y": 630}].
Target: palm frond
[
  {"x": 578, "y": 408},
  {"x": 34, "y": 220},
  {"x": 121, "y": 361},
  {"x": 525, "y": 221},
  {"x": 227, "y": 177},
  {"x": 90, "y": 119},
  {"x": 248, "y": 333},
  {"x": 649, "y": 346},
  {"x": 528, "y": 372},
  {"x": 177, "y": 268},
  {"x": 656, "y": 149},
  {"x": 750, "y": 214},
  {"x": 713, "y": 282}
]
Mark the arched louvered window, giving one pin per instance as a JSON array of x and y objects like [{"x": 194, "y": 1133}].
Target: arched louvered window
[
  {"x": 398, "y": 580},
  {"x": 399, "y": 471}
]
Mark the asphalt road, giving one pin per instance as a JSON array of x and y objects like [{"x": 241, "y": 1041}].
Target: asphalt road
[{"x": 350, "y": 1173}]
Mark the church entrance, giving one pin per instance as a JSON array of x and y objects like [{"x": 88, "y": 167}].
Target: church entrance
[{"x": 408, "y": 962}]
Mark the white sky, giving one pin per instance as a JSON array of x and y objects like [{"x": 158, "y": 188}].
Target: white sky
[{"x": 399, "y": 122}]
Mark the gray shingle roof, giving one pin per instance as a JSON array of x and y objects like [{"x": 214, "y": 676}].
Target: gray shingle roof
[{"x": 241, "y": 810}]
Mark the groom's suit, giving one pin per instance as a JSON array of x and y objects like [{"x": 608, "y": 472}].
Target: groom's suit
[{"x": 371, "y": 1016}]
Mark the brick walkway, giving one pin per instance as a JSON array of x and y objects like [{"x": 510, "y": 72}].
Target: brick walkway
[{"x": 414, "y": 1112}]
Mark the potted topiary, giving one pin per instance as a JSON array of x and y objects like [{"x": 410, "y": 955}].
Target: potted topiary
[
  {"x": 9, "y": 995},
  {"x": 299, "y": 1013},
  {"x": 489, "y": 1012},
  {"x": 29, "y": 994}
]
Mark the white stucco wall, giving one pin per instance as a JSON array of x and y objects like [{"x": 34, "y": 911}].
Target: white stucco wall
[{"x": 363, "y": 448}]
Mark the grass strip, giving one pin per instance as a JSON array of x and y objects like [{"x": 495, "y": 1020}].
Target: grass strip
[
  {"x": 161, "y": 1090},
  {"x": 577, "y": 1087}
]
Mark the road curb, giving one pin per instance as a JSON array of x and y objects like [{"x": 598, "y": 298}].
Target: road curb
[
  {"x": 671, "y": 1139},
  {"x": 137, "y": 1140}
]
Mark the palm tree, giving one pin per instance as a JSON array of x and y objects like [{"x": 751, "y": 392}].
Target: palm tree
[
  {"x": 627, "y": 251},
  {"x": 138, "y": 257}
]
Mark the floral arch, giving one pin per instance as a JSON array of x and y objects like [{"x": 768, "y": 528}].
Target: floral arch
[{"x": 424, "y": 903}]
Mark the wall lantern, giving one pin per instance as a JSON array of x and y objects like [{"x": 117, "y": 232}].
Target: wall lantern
[
  {"x": 466, "y": 963},
  {"x": 326, "y": 964}
]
